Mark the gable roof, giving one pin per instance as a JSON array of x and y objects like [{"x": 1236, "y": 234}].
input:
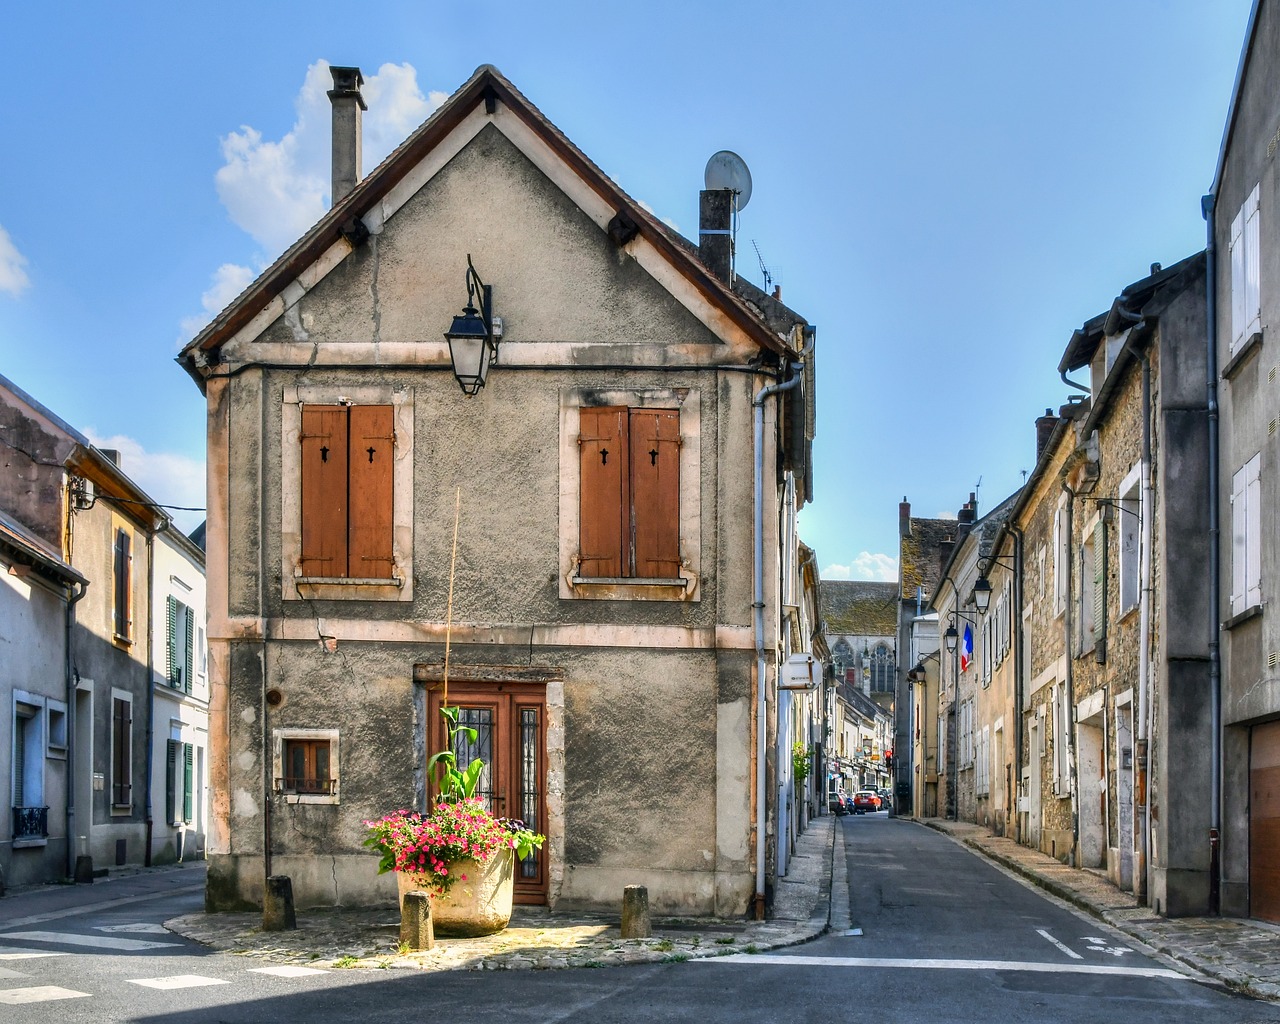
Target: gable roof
[
  {"x": 487, "y": 86},
  {"x": 859, "y": 607}
]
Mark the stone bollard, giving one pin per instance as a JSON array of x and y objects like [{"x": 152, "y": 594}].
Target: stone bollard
[
  {"x": 416, "y": 930},
  {"x": 277, "y": 905},
  {"x": 84, "y": 870},
  {"x": 635, "y": 912}
]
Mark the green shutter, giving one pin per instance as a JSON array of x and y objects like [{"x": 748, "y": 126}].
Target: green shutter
[
  {"x": 170, "y": 793},
  {"x": 188, "y": 757},
  {"x": 188, "y": 664},
  {"x": 1100, "y": 591},
  {"x": 171, "y": 649}
]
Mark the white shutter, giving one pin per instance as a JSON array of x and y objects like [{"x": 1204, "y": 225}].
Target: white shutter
[
  {"x": 1252, "y": 266},
  {"x": 1253, "y": 531},
  {"x": 1238, "y": 543},
  {"x": 1238, "y": 315}
]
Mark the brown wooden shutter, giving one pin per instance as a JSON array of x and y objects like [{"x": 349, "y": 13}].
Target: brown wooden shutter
[
  {"x": 603, "y": 498},
  {"x": 372, "y": 456},
  {"x": 324, "y": 490},
  {"x": 655, "y": 492}
]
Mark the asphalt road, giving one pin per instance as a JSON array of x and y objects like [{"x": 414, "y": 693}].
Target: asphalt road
[{"x": 944, "y": 937}]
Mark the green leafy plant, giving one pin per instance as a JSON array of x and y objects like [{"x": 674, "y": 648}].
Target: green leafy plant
[
  {"x": 801, "y": 761},
  {"x": 459, "y": 828}
]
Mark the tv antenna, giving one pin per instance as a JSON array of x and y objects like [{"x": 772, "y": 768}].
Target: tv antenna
[
  {"x": 977, "y": 487},
  {"x": 768, "y": 275}
]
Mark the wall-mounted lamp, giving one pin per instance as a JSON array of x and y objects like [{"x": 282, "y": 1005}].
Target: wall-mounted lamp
[
  {"x": 951, "y": 638},
  {"x": 982, "y": 594},
  {"x": 473, "y": 337}
]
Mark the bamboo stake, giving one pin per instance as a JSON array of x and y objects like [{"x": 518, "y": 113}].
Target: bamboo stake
[{"x": 448, "y": 615}]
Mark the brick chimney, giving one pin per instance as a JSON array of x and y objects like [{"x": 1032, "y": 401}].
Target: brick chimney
[
  {"x": 1044, "y": 430},
  {"x": 347, "y": 107},
  {"x": 715, "y": 232},
  {"x": 904, "y": 517}
]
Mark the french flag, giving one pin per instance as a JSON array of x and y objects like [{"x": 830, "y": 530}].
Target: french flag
[{"x": 966, "y": 650}]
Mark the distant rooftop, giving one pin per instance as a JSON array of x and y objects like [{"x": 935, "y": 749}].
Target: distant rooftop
[{"x": 860, "y": 607}]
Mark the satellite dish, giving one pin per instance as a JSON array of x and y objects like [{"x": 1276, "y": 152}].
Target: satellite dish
[{"x": 728, "y": 170}]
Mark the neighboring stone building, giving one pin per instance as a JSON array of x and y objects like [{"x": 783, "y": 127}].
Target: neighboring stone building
[
  {"x": 626, "y": 591},
  {"x": 923, "y": 545},
  {"x": 1244, "y": 685},
  {"x": 974, "y": 715},
  {"x": 77, "y": 540}
]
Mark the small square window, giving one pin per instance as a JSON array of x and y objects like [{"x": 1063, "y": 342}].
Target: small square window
[
  {"x": 56, "y": 744},
  {"x": 306, "y": 765}
]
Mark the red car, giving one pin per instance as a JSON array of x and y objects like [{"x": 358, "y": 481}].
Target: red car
[{"x": 866, "y": 800}]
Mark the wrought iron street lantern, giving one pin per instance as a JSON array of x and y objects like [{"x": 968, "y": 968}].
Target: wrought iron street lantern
[{"x": 473, "y": 340}]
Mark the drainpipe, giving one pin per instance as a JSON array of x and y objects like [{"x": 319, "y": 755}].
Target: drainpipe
[
  {"x": 69, "y": 620},
  {"x": 1145, "y": 595},
  {"x": 1215, "y": 583},
  {"x": 758, "y": 608},
  {"x": 1068, "y": 622},
  {"x": 1017, "y": 673}
]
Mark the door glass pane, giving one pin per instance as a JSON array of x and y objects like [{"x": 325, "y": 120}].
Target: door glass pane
[
  {"x": 481, "y": 720},
  {"x": 529, "y": 783}
]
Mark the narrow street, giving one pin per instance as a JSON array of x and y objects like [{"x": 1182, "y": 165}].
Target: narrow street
[{"x": 944, "y": 936}]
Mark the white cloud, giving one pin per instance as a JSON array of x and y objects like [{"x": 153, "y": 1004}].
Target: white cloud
[
  {"x": 275, "y": 190},
  {"x": 13, "y": 279},
  {"x": 867, "y": 566},
  {"x": 168, "y": 478},
  {"x": 229, "y": 280}
]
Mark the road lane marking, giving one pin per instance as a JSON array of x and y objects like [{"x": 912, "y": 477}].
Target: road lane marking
[
  {"x": 944, "y": 965},
  {"x": 287, "y": 971},
  {"x": 39, "y": 994},
  {"x": 93, "y": 908},
  {"x": 177, "y": 981},
  {"x": 1101, "y": 946},
  {"x": 19, "y": 953},
  {"x": 93, "y": 941},
  {"x": 1061, "y": 945}
]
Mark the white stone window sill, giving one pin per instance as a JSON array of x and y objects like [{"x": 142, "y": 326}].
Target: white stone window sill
[
  {"x": 312, "y": 798},
  {"x": 25, "y": 844},
  {"x": 344, "y": 588},
  {"x": 631, "y": 588}
]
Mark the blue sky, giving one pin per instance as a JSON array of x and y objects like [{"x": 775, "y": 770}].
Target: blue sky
[{"x": 947, "y": 189}]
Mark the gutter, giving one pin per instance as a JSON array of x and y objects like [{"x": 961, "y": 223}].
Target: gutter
[
  {"x": 69, "y": 618},
  {"x": 758, "y": 609},
  {"x": 1207, "y": 206}
]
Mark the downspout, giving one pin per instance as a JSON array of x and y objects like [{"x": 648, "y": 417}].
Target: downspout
[
  {"x": 1017, "y": 672},
  {"x": 758, "y": 609},
  {"x": 1207, "y": 205},
  {"x": 69, "y": 618},
  {"x": 1143, "y": 759},
  {"x": 1068, "y": 622}
]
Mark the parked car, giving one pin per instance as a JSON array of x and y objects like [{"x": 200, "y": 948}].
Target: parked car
[
  {"x": 866, "y": 800},
  {"x": 886, "y": 799},
  {"x": 839, "y": 802}
]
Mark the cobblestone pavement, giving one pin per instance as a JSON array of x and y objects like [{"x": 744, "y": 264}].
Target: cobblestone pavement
[
  {"x": 536, "y": 937},
  {"x": 1244, "y": 955}
]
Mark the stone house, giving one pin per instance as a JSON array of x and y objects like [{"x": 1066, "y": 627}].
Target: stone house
[
  {"x": 1136, "y": 487},
  {"x": 612, "y": 614},
  {"x": 923, "y": 545},
  {"x": 975, "y": 707},
  {"x": 1242, "y": 211},
  {"x": 78, "y": 546}
]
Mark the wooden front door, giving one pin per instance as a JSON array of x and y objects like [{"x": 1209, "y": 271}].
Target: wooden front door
[
  {"x": 510, "y": 724},
  {"x": 1264, "y": 822}
]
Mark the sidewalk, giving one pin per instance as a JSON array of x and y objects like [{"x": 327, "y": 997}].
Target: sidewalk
[
  {"x": 536, "y": 938},
  {"x": 1244, "y": 955}
]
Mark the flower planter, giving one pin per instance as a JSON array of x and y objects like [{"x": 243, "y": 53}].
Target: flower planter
[{"x": 479, "y": 906}]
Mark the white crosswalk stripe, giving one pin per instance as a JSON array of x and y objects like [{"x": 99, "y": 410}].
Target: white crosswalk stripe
[
  {"x": 944, "y": 965},
  {"x": 287, "y": 971},
  {"x": 22, "y": 953},
  {"x": 177, "y": 981},
  {"x": 94, "y": 941},
  {"x": 39, "y": 994}
]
